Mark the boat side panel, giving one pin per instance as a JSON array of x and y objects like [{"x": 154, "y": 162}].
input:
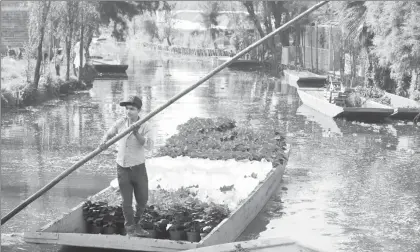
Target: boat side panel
[
  {"x": 319, "y": 104},
  {"x": 108, "y": 241},
  {"x": 373, "y": 104},
  {"x": 231, "y": 228},
  {"x": 71, "y": 222},
  {"x": 401, "y": 102}
]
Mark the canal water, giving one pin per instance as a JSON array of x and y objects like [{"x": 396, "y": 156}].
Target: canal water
[{"x": 347, "y": 187}]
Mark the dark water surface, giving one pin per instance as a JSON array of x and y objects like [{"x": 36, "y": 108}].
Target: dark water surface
[{"x": 354, "y": 188}]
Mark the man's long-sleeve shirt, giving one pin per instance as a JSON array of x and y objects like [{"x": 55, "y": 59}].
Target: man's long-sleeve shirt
[{"x": 130, "y": 151}]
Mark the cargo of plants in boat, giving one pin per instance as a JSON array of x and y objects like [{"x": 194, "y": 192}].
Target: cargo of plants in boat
[
  {"x": 374, "y": 93},
  {"x": 177, "y": 216},
  {"x": 221, "y": 139}
]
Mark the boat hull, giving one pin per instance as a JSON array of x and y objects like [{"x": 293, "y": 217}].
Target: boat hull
[
  {"x": 110, "y": 68},
  {"x": 70, "y": 229},
  {"x": 248, "y": 64}
]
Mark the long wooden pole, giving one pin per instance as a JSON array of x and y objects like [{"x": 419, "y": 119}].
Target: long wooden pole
[{"x": 153, "y": 113}]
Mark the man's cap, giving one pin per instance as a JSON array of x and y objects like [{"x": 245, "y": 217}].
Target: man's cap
[{"x": 132, "y": 100}]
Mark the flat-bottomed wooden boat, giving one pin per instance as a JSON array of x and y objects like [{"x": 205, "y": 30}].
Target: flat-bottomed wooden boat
[
  {"x": 369, "y": 111},
  {"x": 304, "y": 79},
  {"x": 70, "y": 229}
]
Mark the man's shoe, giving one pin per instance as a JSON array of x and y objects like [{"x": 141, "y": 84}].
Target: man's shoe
[
  {"x": 136, "y": 231},
  {"x": 141, "y": 232}
]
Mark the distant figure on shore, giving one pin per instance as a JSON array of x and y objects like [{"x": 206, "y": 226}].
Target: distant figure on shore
[
  {"x": 58, "y": 59},
  {"x": 76, "y": 62}
]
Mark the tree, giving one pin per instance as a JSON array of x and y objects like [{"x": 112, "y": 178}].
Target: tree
[
  {"x": 210, "y": 14},
  {"x": 38, "y": 21},
  {"x": 396, "y": 39},
  {"x": 119, "y": 12}
]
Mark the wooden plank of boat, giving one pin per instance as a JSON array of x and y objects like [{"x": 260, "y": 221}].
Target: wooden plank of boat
[
  {"x": 370, "y": 110},
  {"x": 260, "y": 245},
  {"x": 70, "y": 228},
  {"x": 111, "y": 68},
  {"x": 406, "y": 109},
  {"x": 304, "y": 79}
]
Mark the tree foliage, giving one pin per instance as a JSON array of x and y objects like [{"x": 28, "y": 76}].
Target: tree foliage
[{"x": 121, "y": 11}]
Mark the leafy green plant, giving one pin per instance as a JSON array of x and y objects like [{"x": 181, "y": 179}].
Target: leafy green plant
[{"x": 220, "y": 139}]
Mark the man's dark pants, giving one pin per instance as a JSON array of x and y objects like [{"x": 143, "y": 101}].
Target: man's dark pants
[{"x": 133, "y": 179}]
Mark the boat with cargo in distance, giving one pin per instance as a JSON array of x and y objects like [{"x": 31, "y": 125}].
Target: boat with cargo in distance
[
  {"x": 403, "y": 108},
  {"x": 70, "y": 229},
  {"x": 331, "y": 101}
]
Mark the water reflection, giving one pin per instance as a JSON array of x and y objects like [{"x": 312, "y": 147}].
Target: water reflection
[{"x": 356, "y": 189}]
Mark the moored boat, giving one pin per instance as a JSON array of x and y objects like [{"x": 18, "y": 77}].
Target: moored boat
[
  {"x": 368, "y": 111},
  {"x": 70, "y": 229},
  {"x": 304, "y": 79},
  {"x": 107, "y": 68}
]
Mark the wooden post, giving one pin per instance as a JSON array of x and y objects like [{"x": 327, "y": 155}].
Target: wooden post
[
  {"x": 316, "y": 47},
  {"x": 333, "y": 52}
]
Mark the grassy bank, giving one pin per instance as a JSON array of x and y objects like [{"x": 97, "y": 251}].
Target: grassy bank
[{"x": 17, "y": 91}]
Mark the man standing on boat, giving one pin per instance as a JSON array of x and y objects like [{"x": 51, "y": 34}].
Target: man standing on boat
[{"x": 131, "y": 169}]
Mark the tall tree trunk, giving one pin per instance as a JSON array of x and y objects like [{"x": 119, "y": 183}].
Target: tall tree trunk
[
  {"x": 250, "y": 8},
  {"x": 89, "y": 36},
  {"x": 37, "y": 76},
  {"x": 68, "y": 48},
  {"x": 82, "y": 30}
]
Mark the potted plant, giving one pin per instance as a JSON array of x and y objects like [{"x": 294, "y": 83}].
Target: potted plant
[
  {"x": 149, "y": 227},
  {"x": 176, "y": 231},
  {"x": 97, "y": 226},
  {"x": 160, "y": 227},
  {"x": 110, "y": 227},
  {"x": 193, "y": 231}
]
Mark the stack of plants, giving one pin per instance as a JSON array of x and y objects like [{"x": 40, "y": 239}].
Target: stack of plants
[
  {"x": 101, "y": 218},
  {"x": 374, "y": 93},
  {"x": 174, "y": 215},
  {"x": 221, "y": 139}
]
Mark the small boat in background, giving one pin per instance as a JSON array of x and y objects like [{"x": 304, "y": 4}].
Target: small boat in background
[
  {"x": 107, "y": 67},
  {"x": 331, "y": 100},
  {"x": 304, "y": 79}
]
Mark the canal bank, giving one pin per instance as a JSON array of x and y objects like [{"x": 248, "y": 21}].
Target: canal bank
[{"x": 354, "y": 191}]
